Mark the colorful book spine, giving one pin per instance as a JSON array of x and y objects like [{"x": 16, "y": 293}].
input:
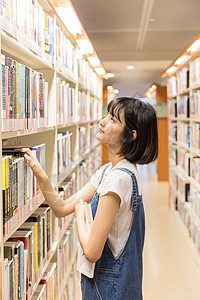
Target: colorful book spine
[{"x": 24, "y": 97}]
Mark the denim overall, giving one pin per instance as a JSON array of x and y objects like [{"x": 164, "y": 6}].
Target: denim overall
[{"x": 121, "y": 278}]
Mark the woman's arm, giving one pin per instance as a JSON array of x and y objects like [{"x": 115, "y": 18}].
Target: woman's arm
[
  {"x": 94, "y": 242},
  {"x": 58, "y": 205}
]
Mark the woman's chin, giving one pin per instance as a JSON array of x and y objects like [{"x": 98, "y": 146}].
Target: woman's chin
[{"x": 98, "y": 136}]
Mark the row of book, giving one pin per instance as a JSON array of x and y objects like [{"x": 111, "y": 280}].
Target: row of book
[
  {"x": 95, "y": 108},
  {"x": 183, "y": 80},
  {"x": 20, "y": 189},
  {"x": 67, "y": 191},
  {"x": 195, "y": 168},
  {"x": 187, "y": 200},
  {"x": 72, "y": 289},
  {"x": 183, "y": 186},
  {"x": 185, "y": 107},
  {"x": 188, "y": 163},
  {"x": 67, "y": 249},
  {"x": 82, "y": 106},
  {"x": 29, "y": 249},
  {"x": 173, "y": 131},
  {"x": 172, "y": 108},
  {"x": 173, "y": 155},
  {"x": 183, "y": 134},
  {"x": 65, "y": 102},
  {"x": 88, "y": 167},
  {"x": 24, "y": 96},
  {"x": 88, "y": 78},
  {"x": 65, "y": 54},
  {"x": 187, "y": 77},
  {"x": 195, "y": 137},
  {"x": 83, "y": 146},
  {"x": 64, "y": 150},
  {"x": 27, "y": 22},
  {"x": 194, "y": 199},
  {"x": 195, "y": 105},
  {"x": 191, "y": 223},
  {"x": 183, "y": 160},
  {"x": 195, "y": 72}
]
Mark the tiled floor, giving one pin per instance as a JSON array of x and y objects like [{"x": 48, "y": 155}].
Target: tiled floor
[{"x": 171, "y": 271}]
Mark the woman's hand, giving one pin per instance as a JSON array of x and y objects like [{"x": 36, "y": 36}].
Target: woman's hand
[
  {"x": 33, "y": 162},
  {"x": 80, "y": 210}
]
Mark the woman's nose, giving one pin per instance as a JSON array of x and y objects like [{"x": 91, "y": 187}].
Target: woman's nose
[{"x": 103, "y": 121}]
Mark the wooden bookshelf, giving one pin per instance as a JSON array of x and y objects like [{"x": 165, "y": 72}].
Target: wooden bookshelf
[
  {"x": 67, "y": 73},
  {"x": 183, "y": 90}
]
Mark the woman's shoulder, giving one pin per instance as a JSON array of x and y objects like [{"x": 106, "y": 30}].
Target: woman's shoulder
[{"x": 125, "y": 165}]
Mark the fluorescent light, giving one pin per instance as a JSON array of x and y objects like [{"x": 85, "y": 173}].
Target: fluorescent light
[
  {"x": 171, "y": 70},
  {"x": 116, "y": 91},
  {"x": 110, "y": 75},
  {"x": 94, "y": 61},
  {"x": 194, "y": 47},
  {"x": 181, "y": 60},
  {"x": 70, "y": 19},
  {"x": 130, "y": 67},
  {"x": 100, "y": 71},
  {"x": 85, "y": 46},
  {"x": 109, "y": 88}
]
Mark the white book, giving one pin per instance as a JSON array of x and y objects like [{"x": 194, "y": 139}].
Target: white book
[{"x": 84, "y": 266}]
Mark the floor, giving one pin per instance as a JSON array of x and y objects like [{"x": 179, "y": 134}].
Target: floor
[{"x": 171, "y": 270}]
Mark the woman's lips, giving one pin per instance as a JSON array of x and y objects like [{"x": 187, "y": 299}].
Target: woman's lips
[{"x": 101, "y": 131}]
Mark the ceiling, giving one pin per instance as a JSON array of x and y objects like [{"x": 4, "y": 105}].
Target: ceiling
[{"x": 148, "y": 34}]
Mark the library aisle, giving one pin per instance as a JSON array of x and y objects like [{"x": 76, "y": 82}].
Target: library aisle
[{"x": 171, "y": 271}]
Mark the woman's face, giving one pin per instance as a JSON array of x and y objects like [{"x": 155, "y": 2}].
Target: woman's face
[{"x": 110, "y": 129}]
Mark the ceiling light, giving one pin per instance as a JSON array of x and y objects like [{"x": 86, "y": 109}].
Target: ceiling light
[
  {"x": 85, "y": 46},
  {"x": 100, "y": 71},
  {"x": 181, "y": 60},
  {"x": 70, "y": 19},
  {"x": 110, "y": 75},
  {"x": 130, "y": 67},
  {"x": 109, "y": 88},
  {"x": 116, "y": 91},
  {"x": 152, "y": 19},
  {"x": 94, "y": 61},
  {"x": 171, "y": 70},
  {"x": 194, "y": 47},
  {"x": 153, "y": 86}
]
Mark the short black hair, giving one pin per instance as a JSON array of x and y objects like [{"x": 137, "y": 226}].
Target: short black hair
[{"x": 141, "y": 117}]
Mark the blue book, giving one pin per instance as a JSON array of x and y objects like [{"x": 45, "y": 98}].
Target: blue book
[{"x": 23, "y": 94}]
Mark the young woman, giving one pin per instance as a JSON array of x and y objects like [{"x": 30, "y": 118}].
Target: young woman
[{"x": 116, "y": 240}]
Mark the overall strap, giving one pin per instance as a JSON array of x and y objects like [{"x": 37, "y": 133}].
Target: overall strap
[
  {"x": 136, "y": 198},
  {"x": 104, "y": 170}
]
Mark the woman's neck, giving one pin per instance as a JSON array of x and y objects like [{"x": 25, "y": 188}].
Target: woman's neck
[{"x": 114, "y": 157}]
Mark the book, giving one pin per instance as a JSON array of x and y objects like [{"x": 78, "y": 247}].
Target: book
[
  {"x": 37, "y": 217},
  {"x": 12, "y": 248},
  {"x": 26, "y": 237},
  {"x": 83, "y": 265}
]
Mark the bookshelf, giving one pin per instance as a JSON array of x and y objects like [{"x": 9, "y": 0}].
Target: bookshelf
[
  {"x": 51, "y": 100},
  {"x": 183, "y": 91},
  {"x": 157, "y": 96}
]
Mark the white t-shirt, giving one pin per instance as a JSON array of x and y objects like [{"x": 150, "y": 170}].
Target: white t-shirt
[{"x": 120, "y": 183}]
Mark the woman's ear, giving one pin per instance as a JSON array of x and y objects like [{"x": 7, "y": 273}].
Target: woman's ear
[{"x": 134, "y": 133}]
